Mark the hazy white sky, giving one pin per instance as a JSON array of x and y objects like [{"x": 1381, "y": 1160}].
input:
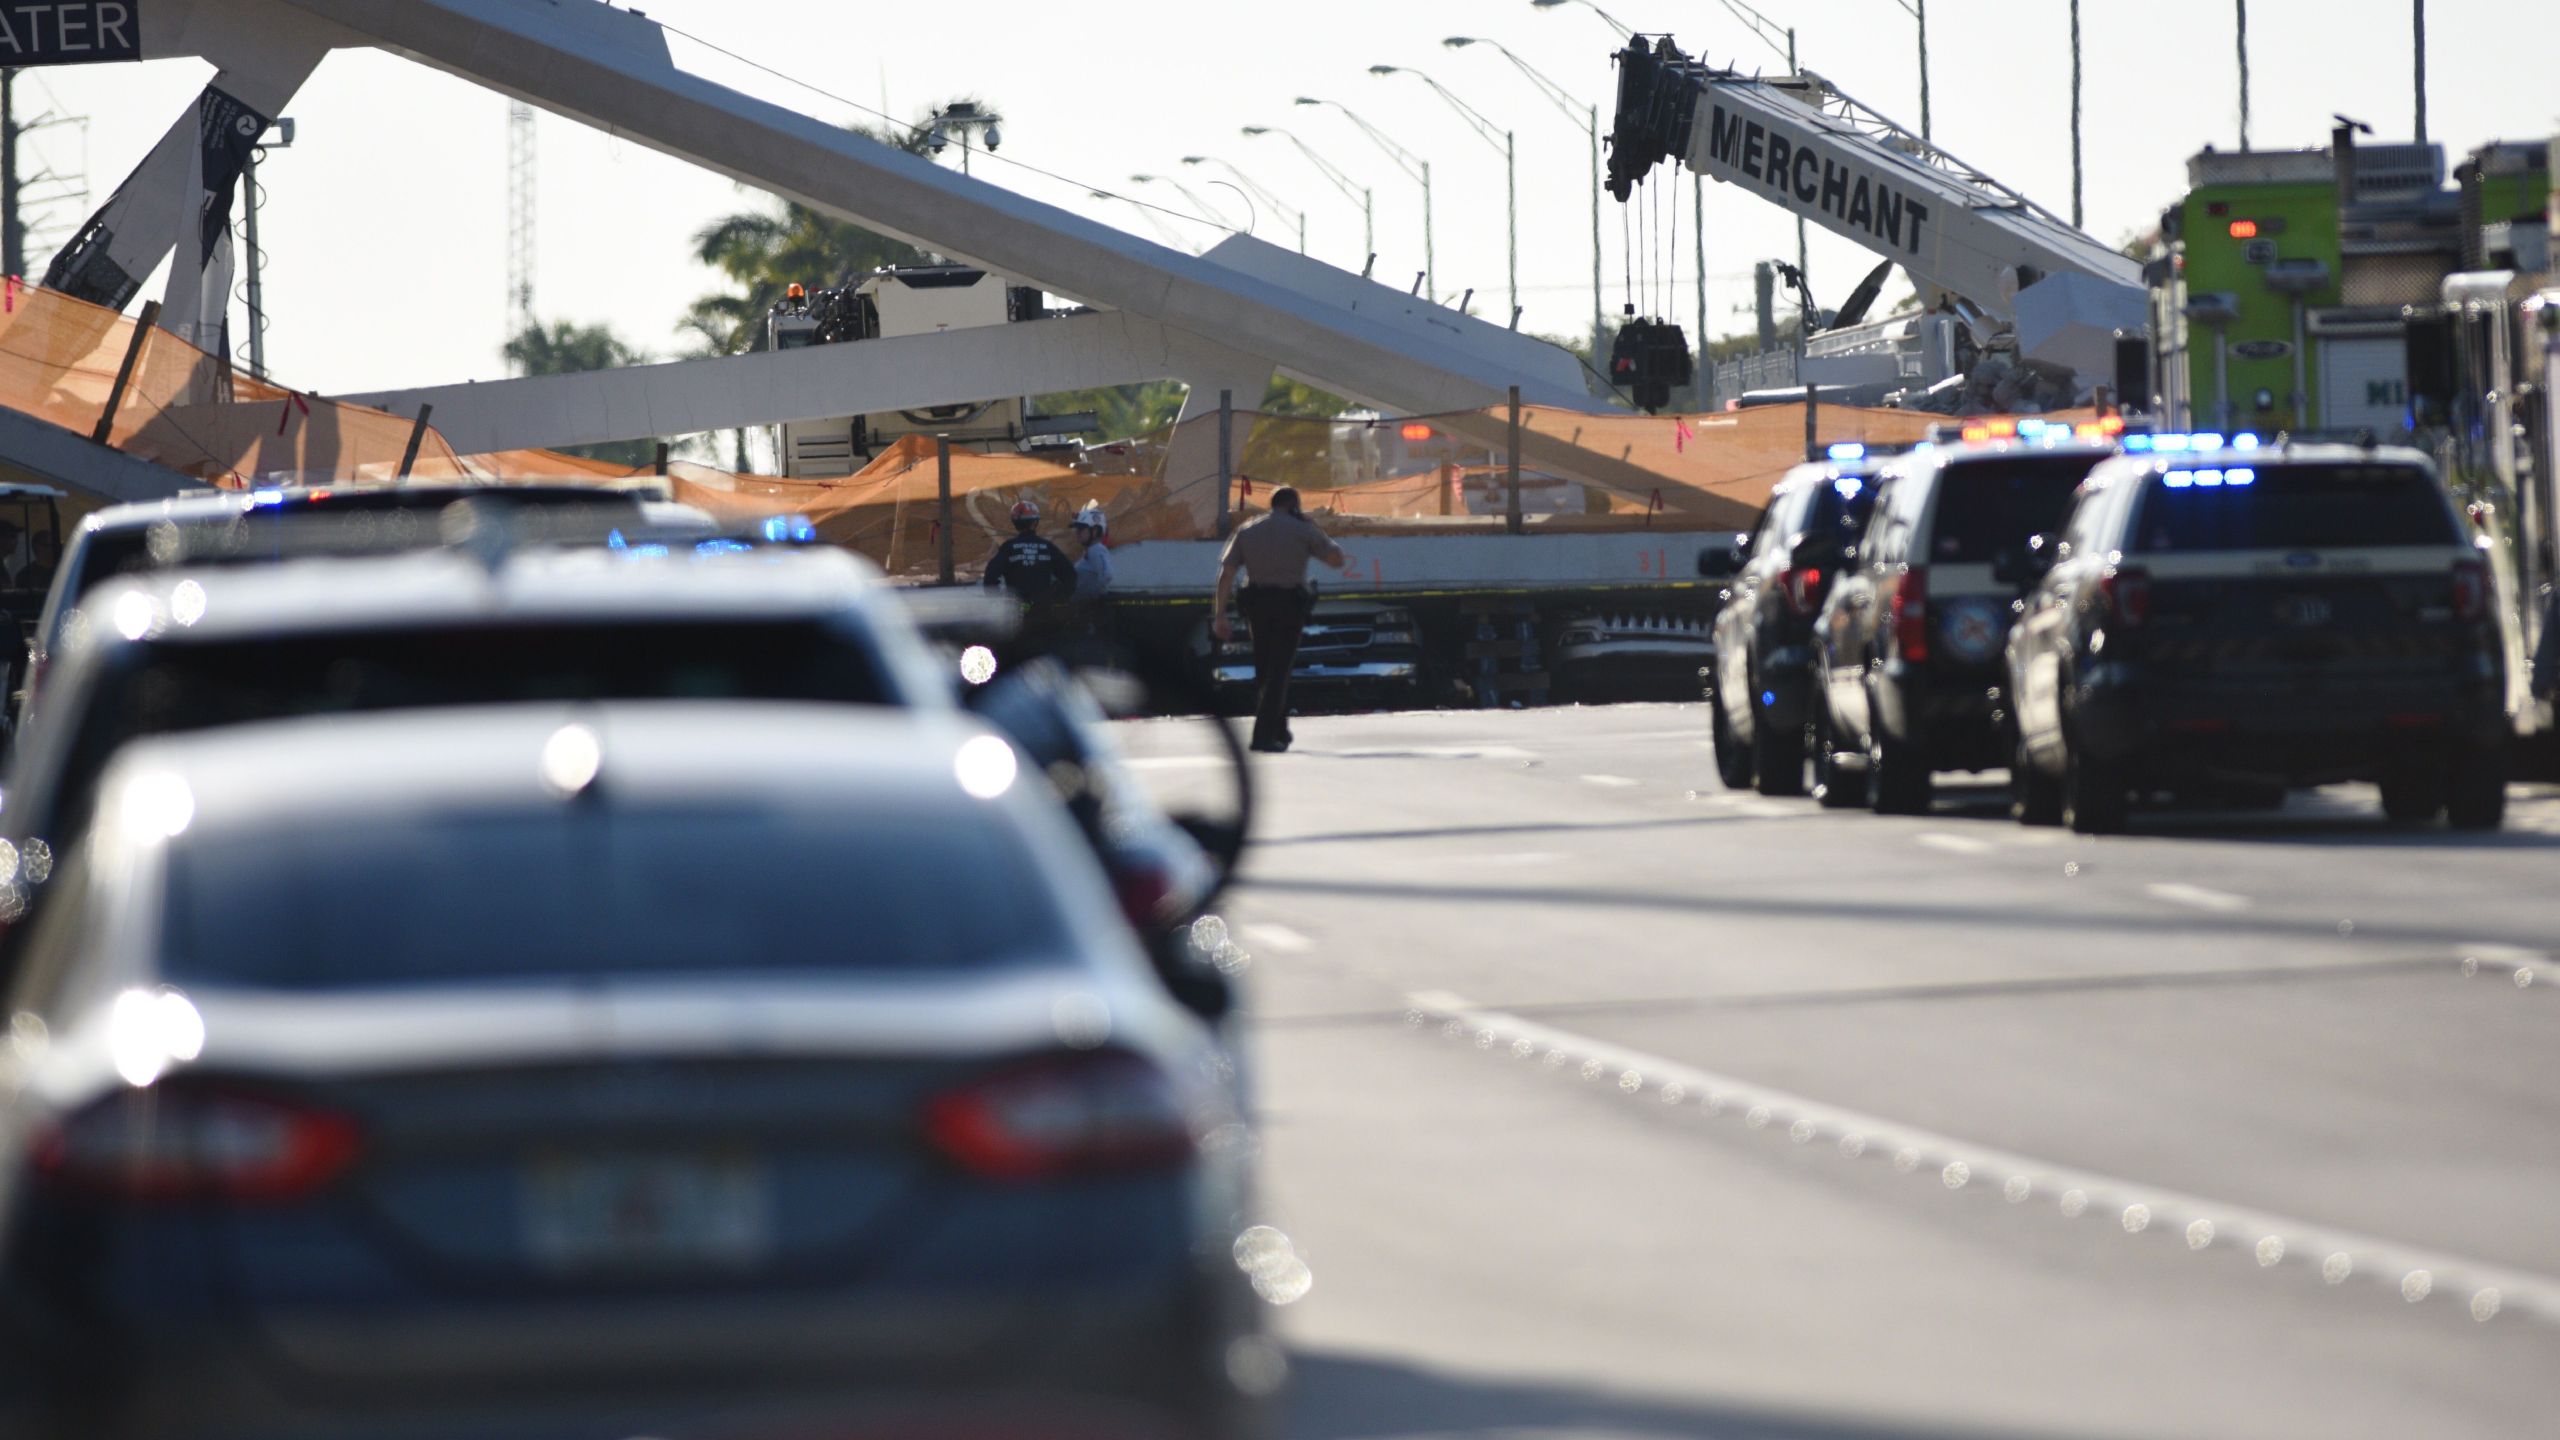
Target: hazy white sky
[{"x": 386, "y": 224}]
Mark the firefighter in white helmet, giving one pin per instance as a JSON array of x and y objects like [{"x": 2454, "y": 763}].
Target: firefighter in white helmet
[{"x": 1092, "y": 530}]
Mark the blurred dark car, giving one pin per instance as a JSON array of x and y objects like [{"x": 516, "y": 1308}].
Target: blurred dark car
[
  {"x": 1762, "y": 701},
  {"x": 2262, "y": 618},
  {"x": 1909, "y": 642},
  {"x": 258, "y": 525},
  {"x": 178, "y": 651},
  {"x": 706, "y": 1069}
]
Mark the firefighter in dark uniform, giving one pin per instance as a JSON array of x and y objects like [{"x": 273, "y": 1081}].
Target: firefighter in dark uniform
[{"x": 1033, "y": 570}]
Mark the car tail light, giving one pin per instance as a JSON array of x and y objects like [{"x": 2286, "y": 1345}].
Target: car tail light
[
  {"x": 185, "y": 1142},
  {"x": 1803, "y": 588},
  {"x": 1094, "y": 1112},
  {"x": 2470, "y": 590},
  {"x": 2126, "y": 594},
  {"x": 1145, "y": 889},
  {"x": 1910, "y": 614}
]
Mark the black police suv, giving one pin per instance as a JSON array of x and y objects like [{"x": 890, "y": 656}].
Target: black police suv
[
  {"x": 1908, "y": 646},
  {"x": 2273, "y": 616},
  {"x": 1761, "y": 701}
]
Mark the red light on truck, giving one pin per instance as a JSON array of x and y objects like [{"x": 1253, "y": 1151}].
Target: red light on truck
[
  {"x": 1415, "y": 433},
  {"x": 2244, "y": 229}
]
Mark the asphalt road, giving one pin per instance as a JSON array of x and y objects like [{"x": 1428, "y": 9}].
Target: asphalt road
[{"x": 1602, "y": 1102}]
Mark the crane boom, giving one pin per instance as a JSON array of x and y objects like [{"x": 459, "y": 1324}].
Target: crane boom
[{"x": 1804, "y": 144}]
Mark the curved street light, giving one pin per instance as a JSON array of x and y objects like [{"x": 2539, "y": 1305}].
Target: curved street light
[
  {"x": 1257, "y": 189},
  {"x": 1351, "y": 189},
  {"x": 1500, "y": 139},
  {"x": 1413, "y": 165},
  {"x": 1589, "y": 117}
]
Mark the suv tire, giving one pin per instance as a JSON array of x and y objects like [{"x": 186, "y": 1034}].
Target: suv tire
[
  {"x": 1836, "y": 788},
  {"x": 2411, "y": 795},
  {"x": 1777, "y": 758},
  {"x": 1733, "y": 763},
  {"x": 1898, "y": 778},
  {"x": 2477, "y": 798},
  {"x": 2035, "y": 798},
  {"x": 2095, "y": 798}
]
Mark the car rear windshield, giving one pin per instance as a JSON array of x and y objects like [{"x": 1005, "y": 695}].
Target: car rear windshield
[
  {"x": 2293, "y": 507},
  {"x": 389, "y": 519},
  {"x": 585, "y": 891},
  {"x": 170, "y": 688},
  {"x": 1989, "y": 507}
]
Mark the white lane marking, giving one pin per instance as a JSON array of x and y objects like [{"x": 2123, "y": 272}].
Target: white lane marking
[
  {"x": 1278, "y": 937},
  {"x": 2220, "y": 902},
  {"x": 1175, "y": 762},
  {"x": 1610, "y": 782},
  {"x": 2336, "y": 1253},
  {"x": 1954, "y": 844},
  {"x": 1516, "y": 857}
]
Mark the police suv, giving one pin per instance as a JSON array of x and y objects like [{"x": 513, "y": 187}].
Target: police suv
[
  {"x": 1908, "y": 643},
  {"x": 2226, "y": 613}
]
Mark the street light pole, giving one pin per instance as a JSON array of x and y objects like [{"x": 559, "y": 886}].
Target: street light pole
[
  {"x": 1288, "y": 213},
  {"x": 1624, "y": 32},
  {"x": 1589, "y": 117},
  {"x": 1351, "y": 189},
  {"x": 1486, "y": 131},
  {"x": 1413, "y": 165}
]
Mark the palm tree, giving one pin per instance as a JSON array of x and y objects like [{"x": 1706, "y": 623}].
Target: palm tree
[{"x": 764, "y": 252}]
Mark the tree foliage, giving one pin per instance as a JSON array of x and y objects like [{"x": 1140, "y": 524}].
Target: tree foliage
[{"x": 763, "y": 252}]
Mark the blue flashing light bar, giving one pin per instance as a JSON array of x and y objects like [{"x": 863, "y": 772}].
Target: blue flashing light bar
[
  {"x": 1848, "y": 450},
  {"x": 2240, "y": 477},
  {"x": 2137, "y": 444},
  {"x": 266, "y": 497}
]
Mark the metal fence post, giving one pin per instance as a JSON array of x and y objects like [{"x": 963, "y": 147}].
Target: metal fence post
[
  {"x": 1226, "y": 463},
  {"x": 142, "y": 324},
  {"x": 417, "y": 438},
  {"x": 1511, "y": 468},
  {"x": 942, "y": 521}
]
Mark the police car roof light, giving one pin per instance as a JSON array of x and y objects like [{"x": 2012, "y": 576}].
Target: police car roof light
[{"x": 1848, "y": 450}]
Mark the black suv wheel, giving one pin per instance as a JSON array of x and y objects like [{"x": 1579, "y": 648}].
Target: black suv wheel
[
  {"x": 1777, "y": 758},
  {"x": 1733, "y": 762},
  {"x": 2477, "y": 798},
  {"x": 1898, "y": 778},
  {"x": 2095, "y": 798},
  {"x": 2035, "y": 798}
]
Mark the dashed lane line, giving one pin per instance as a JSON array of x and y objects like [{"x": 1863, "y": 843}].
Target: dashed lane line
[
  {"x": 1278, "y": 937},
  {"x": 1610, "y": 782},
  {"x": 1954, "y": 844},
  {"x": 2220, "y": 902},
  {"x": 2337, "y": 1255}
]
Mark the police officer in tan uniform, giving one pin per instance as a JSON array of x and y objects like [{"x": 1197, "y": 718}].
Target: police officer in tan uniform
[{"x": 1273, "y": 552}]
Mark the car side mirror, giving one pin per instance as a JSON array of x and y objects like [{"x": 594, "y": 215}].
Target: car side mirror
[{"x": 1723, "y": 562}]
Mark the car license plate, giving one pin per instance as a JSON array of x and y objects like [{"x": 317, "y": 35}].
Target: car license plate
[{"x": 586, "y": 1212}]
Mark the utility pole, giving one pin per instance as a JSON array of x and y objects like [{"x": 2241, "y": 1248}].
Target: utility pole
[
  {"x": 2242, "y": 32},
  {"x": 2077, "y": 219},
  {"x": 1920, "y": 12},
  {"x": 2420, "y": 24},
  {"x": 1706, "y": 382}
]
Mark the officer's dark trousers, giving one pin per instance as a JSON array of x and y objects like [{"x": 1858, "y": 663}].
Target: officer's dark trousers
[{"x": 1276, "y": 616}]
